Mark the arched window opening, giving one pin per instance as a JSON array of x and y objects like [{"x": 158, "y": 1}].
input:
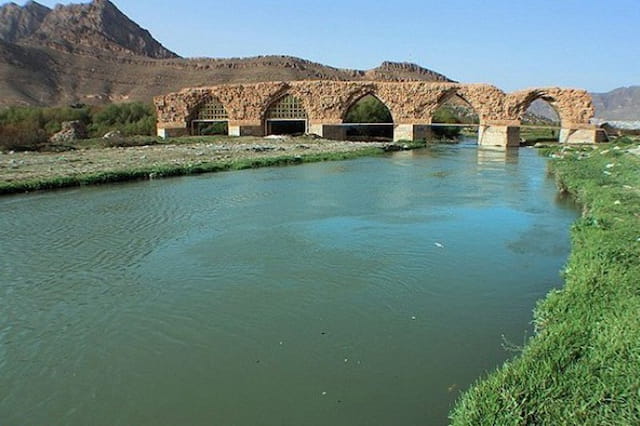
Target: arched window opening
[
  {"x": 540, "y": 123},
  {"x": 368, "y": 119},
  {"x": 210, "y": 118},
  {"x": 286, "y": 116},
  {"x": 455, "y": 120}
]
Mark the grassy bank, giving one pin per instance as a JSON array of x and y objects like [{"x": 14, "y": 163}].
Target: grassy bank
[
  {"x": 24, "y": 172},
  {"x": 582, "y": 367}
]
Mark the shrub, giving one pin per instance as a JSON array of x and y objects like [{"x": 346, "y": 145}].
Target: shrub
[
  {"x": 135, "y": 118},
  {"x": 446, "y": 115},
  {"x": 368, "y": 110},
  {"x": 24, "y": 136}
]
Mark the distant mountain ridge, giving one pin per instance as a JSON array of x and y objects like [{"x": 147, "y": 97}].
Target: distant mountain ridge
[{"x": 619, "y": 104}]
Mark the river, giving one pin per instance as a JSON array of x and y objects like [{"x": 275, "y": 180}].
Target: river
[{"x": 363, "y": 292}]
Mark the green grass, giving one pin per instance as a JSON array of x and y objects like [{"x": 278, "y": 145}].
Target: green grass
[
  {"x": 583, "y": 365},
  {"x": 152, "y": 172},
  {"x": 534, "y": 135}
]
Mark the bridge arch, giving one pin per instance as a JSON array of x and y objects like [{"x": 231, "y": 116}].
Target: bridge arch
[
  {"x": 286, "y": 114},
  {"x": 358, "y": 93},
  {"x": 367, "y": 116},
  {"x": 208, "y": 116},
  {"x": 526, "y": 98},
  {"x": 572, "y": 106},
  {"x": 451, "y": 113}
]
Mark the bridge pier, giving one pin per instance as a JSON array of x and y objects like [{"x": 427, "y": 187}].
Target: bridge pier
[
  {"x": 172, "y": 130},
  {"x": 411, "y": 132},
  {"x": 503, "y": 134},
  {"x": 581, "y": 134},
  {"x": 329, "y": 130},
  {"x": 245, "y": 128}
]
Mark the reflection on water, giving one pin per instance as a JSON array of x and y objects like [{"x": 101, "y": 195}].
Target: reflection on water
[
  {"x": 488, "y": 156},
  {"x": 362, "y": 292}
]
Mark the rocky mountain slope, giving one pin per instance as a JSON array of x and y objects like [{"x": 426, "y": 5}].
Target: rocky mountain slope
[{"x": 78, "y": 28}]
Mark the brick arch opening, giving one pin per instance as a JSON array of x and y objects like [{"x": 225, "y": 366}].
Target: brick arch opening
[
  {"x": 367, "y": 117},
  {"x": 286, "y": 115},
  {"x": 540, "y": 119},
  {"x": 208, "y": 117},
  {"x": 454, "y": 117},
  {"x": 538, "y": 95}
]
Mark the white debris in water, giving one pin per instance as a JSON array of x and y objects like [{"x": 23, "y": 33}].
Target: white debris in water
[
  {"x": 324, "y": 393},
  {"x": 413, "y": 318},
  {"x": 439, "y": 245}
]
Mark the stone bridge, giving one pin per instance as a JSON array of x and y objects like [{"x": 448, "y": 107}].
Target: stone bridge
[{"x": 323, "y": 105}]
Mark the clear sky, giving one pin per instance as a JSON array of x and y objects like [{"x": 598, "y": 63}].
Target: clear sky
[{"x": 513, "y": 44}]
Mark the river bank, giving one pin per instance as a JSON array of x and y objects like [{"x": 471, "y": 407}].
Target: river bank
[
  {"x": 29, "y": 171},
  {"x": 581, "y": 367}
]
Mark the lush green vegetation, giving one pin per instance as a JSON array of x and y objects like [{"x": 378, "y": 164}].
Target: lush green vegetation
[
  {"x": 446, "y": 114},
  {"x": 532, "y": 135},
  {"x": 29, "y": 128},
  {"x": 581, "y": 367},
  {"x": 135, "y": 118},
  {"x": 369, "y": 109}
]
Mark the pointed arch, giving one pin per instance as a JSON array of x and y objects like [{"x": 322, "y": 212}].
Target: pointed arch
[
  {"x": 357, "y": 98},
  {"x": 460, "y": 93},
  {"x": 572, "y": 106},
  {"x": 210, "y": 109},
  {"x": 286, "y": 114},
  {"x": 534, "y": 128},
  {"x": 286, "y": 107},
  {"x": 367, "y": 117},
  {"x": 454, "y": 117},
  {"x": 209, "y": 117}
]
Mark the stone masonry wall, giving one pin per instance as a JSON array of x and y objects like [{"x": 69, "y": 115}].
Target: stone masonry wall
[{"x": 409, "y": 102}]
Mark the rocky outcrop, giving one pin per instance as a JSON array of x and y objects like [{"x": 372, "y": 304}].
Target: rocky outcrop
[
  {"x": 403, "y": 71},
  {"x": 114, "y": 134},
  {"x": 71, "y": 131},
  {"x": 17, "y": 23}
]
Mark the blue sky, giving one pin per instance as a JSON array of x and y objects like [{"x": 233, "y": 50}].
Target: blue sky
[{"x": 512, "y": 44}]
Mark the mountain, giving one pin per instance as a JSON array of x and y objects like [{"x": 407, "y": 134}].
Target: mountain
[
  {"x": 93, "y": 53},
  {"x": 619, "y": 104},
  {"x": 78, "y": 28},
  {"x": 17, "y": 22}
]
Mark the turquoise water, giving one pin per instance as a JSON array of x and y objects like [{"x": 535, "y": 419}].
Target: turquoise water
[{"x": 364, "y": 292}]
